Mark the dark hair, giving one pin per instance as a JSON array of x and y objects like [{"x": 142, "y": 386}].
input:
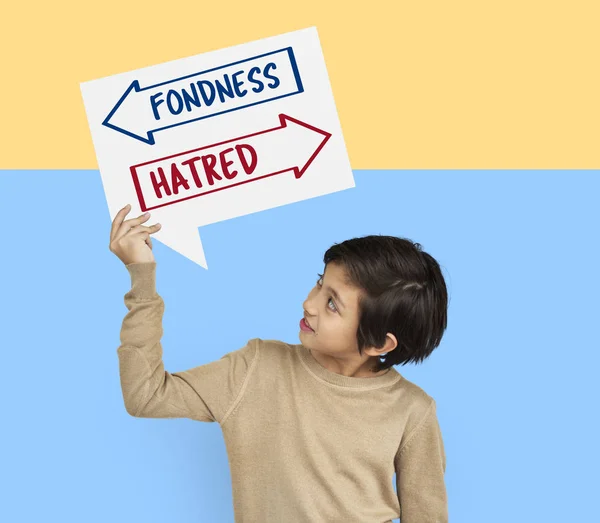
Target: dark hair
[{"x": 403, "y": 292}]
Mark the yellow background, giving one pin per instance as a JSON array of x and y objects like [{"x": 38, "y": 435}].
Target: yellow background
[{"x": 419, "y": 84}]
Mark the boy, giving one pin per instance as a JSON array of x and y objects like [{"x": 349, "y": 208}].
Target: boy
[{"x": 314, "y": 432}]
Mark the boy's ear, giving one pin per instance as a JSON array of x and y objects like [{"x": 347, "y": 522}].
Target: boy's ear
[{"x": 390, "y": 344}]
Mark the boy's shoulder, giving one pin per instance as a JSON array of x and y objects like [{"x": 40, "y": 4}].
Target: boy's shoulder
[
  {"x": 273, "y": 345},
  {"x": 414, "y": 399},
  {"x": 417, "y": 393},
  {"x": 273, "y": 350}
]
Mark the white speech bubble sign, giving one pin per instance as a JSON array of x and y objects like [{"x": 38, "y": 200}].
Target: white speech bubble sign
[{"x": 218, "y": 135}]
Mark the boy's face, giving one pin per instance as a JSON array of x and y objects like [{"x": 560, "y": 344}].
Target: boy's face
[{"x": 334, "y": 319}]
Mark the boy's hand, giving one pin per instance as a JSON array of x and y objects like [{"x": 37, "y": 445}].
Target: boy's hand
[{"x": 130, "y": 240}]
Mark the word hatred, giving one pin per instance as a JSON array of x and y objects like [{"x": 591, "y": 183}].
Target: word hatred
[{"x": 208, "y": 164}]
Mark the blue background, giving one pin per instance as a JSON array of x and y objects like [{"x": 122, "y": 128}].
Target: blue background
[{"x": 514, "y": 378}]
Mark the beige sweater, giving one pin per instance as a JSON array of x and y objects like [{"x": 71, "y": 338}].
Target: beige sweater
[{"x": 304, "y": 444}]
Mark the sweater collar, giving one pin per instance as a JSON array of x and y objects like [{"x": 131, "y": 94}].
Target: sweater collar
[{"x": 323, "y": 374}]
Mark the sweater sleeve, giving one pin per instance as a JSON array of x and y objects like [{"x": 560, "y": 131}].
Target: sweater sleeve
[
  {"x": 209, "y": 392},
  {"x": 420, "y": 467}
]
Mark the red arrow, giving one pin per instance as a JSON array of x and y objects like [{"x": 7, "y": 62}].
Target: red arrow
[{"x": 227, "y": 164}]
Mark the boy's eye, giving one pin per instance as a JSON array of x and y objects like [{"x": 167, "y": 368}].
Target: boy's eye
[{"x": 319, "y": 283}]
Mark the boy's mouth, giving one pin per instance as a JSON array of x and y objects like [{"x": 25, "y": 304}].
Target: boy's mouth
[{"x": 304, "y": 325}]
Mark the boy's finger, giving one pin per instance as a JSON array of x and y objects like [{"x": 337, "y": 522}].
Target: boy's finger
[
  {"x": 150, "y": 229},
  {"x": 127, "y": 225},
  {"x": 118, "y": 220},
  {"x": 144, "y": 230}
]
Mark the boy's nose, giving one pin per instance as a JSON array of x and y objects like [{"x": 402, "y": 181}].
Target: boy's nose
[{"x": 306, "y": 306}]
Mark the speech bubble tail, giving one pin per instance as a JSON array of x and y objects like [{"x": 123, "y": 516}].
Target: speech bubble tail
[{"x": 184, "y": 240}]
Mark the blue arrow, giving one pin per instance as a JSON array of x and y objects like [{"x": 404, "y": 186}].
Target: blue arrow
[{"x": 150, "y": 106}]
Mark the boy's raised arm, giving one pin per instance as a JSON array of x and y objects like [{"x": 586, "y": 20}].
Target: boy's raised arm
[
  {"x": 420, "y": 467},
  {"x": 205, "y": 393}
]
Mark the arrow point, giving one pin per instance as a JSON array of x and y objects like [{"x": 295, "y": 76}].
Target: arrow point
[
  {"x": 124, "y": 116},
  {"x": 314, "y": 138}
]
